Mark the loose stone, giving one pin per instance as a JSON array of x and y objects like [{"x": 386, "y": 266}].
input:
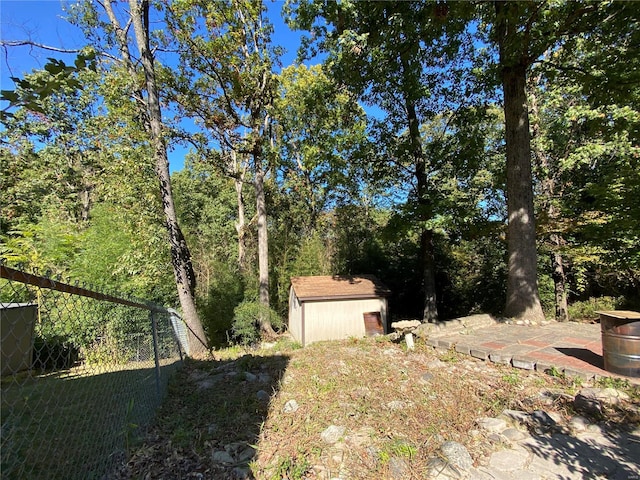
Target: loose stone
[
  {"x": 457, "y": 454},
  {"x": 490, "y": 424},
  {"x": 291, "y": 407},
  {"x": 513, "y": 434},
  {"x": 262, "y": 396},
  {"x": 396, "y": 405},
  {"x": 578, "y": 424},
  {"x": 508, "y": 460},
  {"x": 398, "y": 468},
  {"x": 222, "y": 457},
  {"x": 588, "y": 406},
  {"x": 332, "y": 434},
  {"x": 242, "y": 473},
  {"x": 439, "y": 469},
  {"x": 426, "y": 377},
  {"x": 542, "y": 418}
]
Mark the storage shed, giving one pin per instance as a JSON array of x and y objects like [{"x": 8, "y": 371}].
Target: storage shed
[{"x": 337, "y": 307}]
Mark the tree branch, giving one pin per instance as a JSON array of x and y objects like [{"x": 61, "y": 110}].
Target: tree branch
[{"x": 23, "y": 43}]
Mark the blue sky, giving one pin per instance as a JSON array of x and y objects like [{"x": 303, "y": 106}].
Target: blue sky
[{"x": 42, "y": 21}]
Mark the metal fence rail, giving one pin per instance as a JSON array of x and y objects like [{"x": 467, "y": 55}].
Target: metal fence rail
[{"x": 82, "y": 375}]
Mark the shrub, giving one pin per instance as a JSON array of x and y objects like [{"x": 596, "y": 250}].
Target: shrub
[
  {"x": 226, "y": 292},
  {"x": 246, "y": 321},
  {"x": 587, "y": 309}
]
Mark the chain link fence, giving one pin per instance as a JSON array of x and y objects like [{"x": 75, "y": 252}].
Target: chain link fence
[{"x": 82, "y": 375}]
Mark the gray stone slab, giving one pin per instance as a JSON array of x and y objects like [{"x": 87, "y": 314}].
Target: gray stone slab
[
  {"x": 584, "y": 456},
  {"x": 432, "y": 342},
  {"x": 509, "y": 460},
  {"x": 500, "y": 357},
  {"x": 478, "y": 352},
  {"x": 575, "y": 373},
  {"x": 543, "y": 365},
  {"x": 446, "y": 343},
  {"x": 524, "y": 363}
]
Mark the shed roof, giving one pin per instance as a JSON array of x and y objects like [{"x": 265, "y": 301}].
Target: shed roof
[{"x": 338, "y": 287}]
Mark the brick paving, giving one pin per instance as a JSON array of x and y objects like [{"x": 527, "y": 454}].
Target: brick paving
[{"x": 572, "y": 348}]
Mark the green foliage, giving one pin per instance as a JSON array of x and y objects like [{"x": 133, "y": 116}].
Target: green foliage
[
  {"x": 32, "y": 92},
  {"x": 472, "y": 276},
  {"x": 547, "y": 295},
  {"x": 226, "y": 292},
  {"x": 246, "y": 321},
  {"x": 397, "y": 448},
  {"x": 586, "y": 310},
  {"x": 51, "y": 245},
  {"x": 291, "y": 468}
]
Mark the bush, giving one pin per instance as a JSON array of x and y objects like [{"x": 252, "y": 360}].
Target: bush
[
  {"x": 547, "y": 292},
  {"x": 56, "y": 353},
  {"x": 226, "y": 292},
  {"x": 587, "y": 309},
  {"x": 246, "y": 321}
]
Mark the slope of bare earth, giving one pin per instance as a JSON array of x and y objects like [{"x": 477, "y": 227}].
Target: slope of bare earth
[{"x": 354, "y": 409}]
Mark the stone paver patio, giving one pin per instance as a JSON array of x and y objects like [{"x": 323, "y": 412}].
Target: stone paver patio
[{"x": 574, "y": 349}]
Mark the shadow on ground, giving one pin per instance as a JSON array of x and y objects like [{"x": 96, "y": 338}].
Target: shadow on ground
[
  {"x": 585, "y": 355},
  {"x": 567, "y": 457},
  {"x": 211, "y": 420}
]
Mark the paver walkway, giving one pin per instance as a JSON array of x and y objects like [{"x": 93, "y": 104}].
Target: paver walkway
[
  {"x": 569, "y": 347},
  {"x": 575, "y": 349}
]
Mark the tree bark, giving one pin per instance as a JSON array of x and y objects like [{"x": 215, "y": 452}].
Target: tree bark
[
  {"x": 238, "y": 181},
  {"x": 559, "y": 281},
  {"x": 180, "y": 255},
  {"x": 523, "y": 300},
  {"x": 430, "y": 310},
  {"x": 263, "y": 248}
]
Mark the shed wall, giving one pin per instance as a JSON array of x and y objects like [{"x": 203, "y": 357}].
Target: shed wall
[
  {"x": 336, "y": 320},
  {"x": 295, "y": 316}
]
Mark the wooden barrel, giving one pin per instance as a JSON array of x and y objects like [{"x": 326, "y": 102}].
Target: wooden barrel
[
  {"x": 621, "y": 342},
  {"x": 373, "y": 324}
]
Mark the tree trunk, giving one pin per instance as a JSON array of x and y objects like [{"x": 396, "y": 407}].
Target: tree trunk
[
  {"x": 523, "y": 300},
  {"x": 263, "y": 248},
  {"x": 430, "y": 311},
  {"x": 549, "y": 194},
  {"x": 559, "y": 281},
  {"x": 180, "y": 255},
  {"x": 85, "y": 198},
  {"x": 238, "y": 180}
]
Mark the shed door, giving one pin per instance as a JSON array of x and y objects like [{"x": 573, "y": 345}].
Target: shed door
[{"x": 373, "y": 324}]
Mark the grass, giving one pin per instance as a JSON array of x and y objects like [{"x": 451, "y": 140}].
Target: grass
[
  {"x": 76, "y": 423},
  {"x": 393, "y": 404}
]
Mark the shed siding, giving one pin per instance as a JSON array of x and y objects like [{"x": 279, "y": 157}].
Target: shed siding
[
  {"x": 335, "y": 320},
  {"x": 295, "y": 316}
]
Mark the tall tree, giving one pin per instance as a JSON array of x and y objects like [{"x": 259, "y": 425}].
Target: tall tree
[
  {"x": 586, "y": 146},
  {"x": 522, "y": 32},
  {"x": 391, "y": 55},
  {"x": 147, "y": 98},
  {"x": 320, "y": 132},
  {"x": 227, "y": 83}
]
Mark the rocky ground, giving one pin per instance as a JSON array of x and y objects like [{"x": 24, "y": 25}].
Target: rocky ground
[{"x": 362, "y": 409}]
